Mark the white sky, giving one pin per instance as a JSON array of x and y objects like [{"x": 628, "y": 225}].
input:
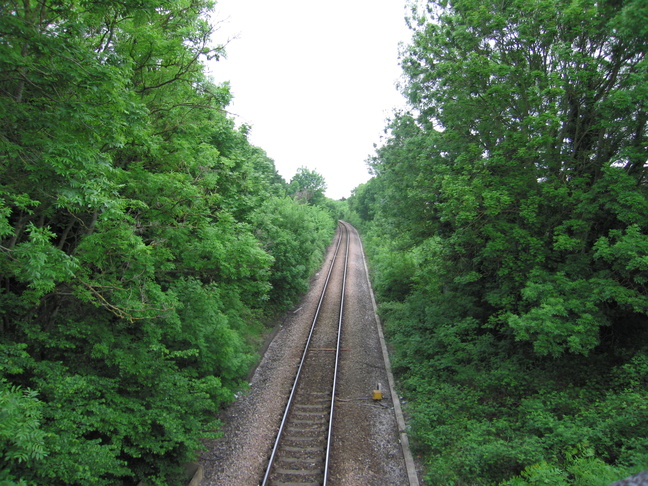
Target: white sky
[{"x": 316, "y": 80}]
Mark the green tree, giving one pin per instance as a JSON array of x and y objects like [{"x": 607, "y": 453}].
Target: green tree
[
  {"x": 543, "y": 123},
  {"x": 308, "y": 186}
]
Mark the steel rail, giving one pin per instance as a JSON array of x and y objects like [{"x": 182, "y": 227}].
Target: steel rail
[
  {"x": 266, "y": 477},
  {"x": 337, "y": 359}
]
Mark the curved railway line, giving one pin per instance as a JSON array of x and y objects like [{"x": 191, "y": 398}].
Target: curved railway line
[{"x": 301, "y": 452}]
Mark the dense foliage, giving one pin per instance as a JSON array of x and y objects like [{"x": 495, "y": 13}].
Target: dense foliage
[
  {"x": 143, "y": 241},
  {"x": 506, "y": 226},
  {"x": 308, "y": 186}
]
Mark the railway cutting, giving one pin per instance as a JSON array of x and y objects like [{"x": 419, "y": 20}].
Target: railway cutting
[{"x": 312, "y": 415}]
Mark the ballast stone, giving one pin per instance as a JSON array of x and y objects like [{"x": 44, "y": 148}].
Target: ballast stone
[{"x": 640, "y": 479}]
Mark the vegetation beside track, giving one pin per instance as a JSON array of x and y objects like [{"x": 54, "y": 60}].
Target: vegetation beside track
[
  {"x": 143, "y": 241},
  {"x": 506, "y": 230}
]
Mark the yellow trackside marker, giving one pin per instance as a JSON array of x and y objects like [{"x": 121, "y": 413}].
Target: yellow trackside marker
[{"x": 377, "y": 393}]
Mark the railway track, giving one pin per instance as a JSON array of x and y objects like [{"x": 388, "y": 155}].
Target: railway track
[{"x": 301, "y": 452}]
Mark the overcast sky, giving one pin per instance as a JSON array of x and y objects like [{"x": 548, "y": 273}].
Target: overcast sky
[{"x": 315, "y": 80}]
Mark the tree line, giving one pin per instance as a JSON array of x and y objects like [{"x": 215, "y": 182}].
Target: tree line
[
  {"x": 144, "y": 242},
  {"x": 506, "y": 229}
]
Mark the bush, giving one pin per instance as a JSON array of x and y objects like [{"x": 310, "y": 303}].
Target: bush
[{"x": 296, "y": 236}]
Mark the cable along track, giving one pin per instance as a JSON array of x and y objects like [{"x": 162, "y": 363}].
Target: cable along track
[{"x": 301, "y": 451}]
